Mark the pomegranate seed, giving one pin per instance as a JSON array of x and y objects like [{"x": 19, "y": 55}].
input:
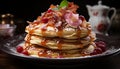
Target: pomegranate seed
[
  {"x": 25, "y": 52},
  {"x": 19, "y": 49},
  {"x": 49, "y": 10},
  {"x": 98, "y": 50},
  {"x": 93, "y": 53},
  {"x": 101, "y": 45},
  {"x": 44, "y": 20},
  {"x": 101, "y": 42}
]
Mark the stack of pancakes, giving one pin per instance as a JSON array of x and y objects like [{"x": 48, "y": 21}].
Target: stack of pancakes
[{"x": 50, "y": 35}]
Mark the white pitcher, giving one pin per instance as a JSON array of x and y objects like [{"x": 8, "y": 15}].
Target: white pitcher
[{"x": 99, "y": 19}]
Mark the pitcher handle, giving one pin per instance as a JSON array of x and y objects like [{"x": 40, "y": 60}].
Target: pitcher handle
[{"x": 114, "y": 12}]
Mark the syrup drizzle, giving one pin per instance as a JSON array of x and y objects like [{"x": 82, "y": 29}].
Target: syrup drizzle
[
  {"x": 27, "y": 43},
  {"x": 59, "y": 31},
  {"x": 59, "y": 44},
  {"x": 42, "y": 53},
  {"x": 43, "y": 42},
  {"x": 89, "y": 28},
  {"x": 78, "y": 32},
  {"x": 31, "y": 31},
  {"x": 43, "y": 30}
]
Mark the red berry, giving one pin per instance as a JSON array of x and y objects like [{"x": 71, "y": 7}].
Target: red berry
[
  {"x": 98, "y": 50},
  {"x": 101, "y": 42},
  {"x": 93, "y": 53},
  {"x": 96, "y": 43},
  {"x": 19, "y": 49},
  {"x": 25, "y": 52},
  {"x": 101, "y": 45},
  {"x": 44, "y": 20},
  {"x": 49, "y": 10}
]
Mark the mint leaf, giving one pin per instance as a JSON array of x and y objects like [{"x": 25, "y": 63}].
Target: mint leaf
[{"x": 64, "y": 3}]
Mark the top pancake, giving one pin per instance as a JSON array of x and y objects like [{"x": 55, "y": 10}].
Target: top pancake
[{"x": 67, "y": 32}]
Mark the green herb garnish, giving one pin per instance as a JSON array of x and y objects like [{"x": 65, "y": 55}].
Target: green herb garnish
[{"x": 63, "y": 4}]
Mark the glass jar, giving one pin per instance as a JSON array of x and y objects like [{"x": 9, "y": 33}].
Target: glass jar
[{"x": 7, "y": 26}]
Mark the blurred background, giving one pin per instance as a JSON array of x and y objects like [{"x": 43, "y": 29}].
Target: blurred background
[{"x": 29, "y": 10}]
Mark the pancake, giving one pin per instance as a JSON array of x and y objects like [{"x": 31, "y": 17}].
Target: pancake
[
  {"x": 52, "y": 31},
  {"x": 57, "y": 43},
  {"x": 38, "y": 51}
]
